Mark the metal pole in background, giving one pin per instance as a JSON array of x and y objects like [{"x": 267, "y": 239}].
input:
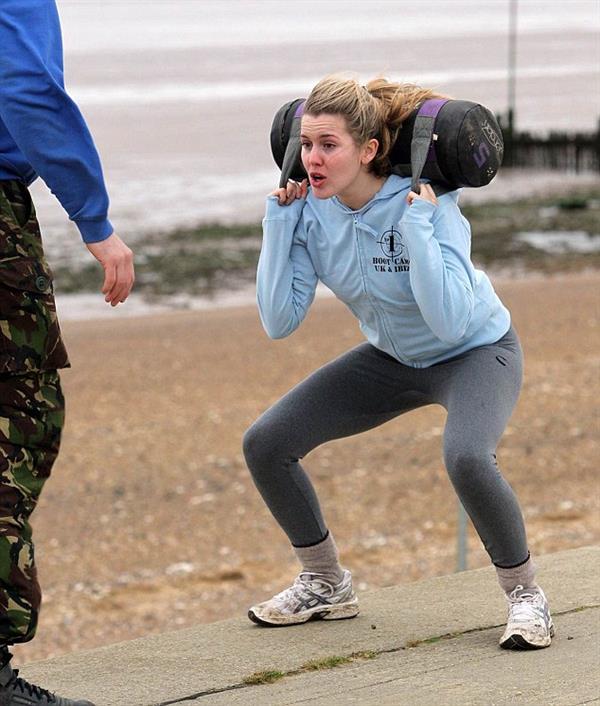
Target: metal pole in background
[
  {"x": 462, "y": 520},
  {"x": 512, "y": 63},
  {"x": 461, "y": 539}
]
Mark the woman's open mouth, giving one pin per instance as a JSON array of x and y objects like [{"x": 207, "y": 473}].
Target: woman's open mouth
[{"x": 316, "y": 179}]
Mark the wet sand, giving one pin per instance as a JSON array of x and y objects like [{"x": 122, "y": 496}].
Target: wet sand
[
  {"x": 184, "y": 132},
  {"x": 151, "y": 522}
]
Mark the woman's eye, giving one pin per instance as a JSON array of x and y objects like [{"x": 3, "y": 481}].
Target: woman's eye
[
  {"x": 328, "y": 145},
  {"x": 305, "y": 145}
]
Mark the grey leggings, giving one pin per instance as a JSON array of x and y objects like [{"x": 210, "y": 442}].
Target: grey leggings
[{"x": 365, "y": 388}]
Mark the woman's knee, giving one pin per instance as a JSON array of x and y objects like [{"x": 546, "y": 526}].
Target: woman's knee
[
  {"x": 252, "y": 443},
  {"x": 467, "y": 467},
  {"x": 260, "y": 446}
]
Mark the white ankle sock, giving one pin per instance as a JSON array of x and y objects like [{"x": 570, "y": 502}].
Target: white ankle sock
[
  {"x": 522, "y": 575},
  {"x": 322, "y": 558}
]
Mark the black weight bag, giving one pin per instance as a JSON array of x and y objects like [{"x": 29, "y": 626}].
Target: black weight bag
[{"x": 453, "y": 143}]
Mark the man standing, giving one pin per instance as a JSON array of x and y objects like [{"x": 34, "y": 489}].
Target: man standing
[{"x": 42, "y": 133}]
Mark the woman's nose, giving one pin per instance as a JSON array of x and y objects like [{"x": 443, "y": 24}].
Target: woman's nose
[{"x": 314, "y": 156}]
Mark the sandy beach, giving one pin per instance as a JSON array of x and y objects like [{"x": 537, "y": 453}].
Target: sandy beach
[{"x": 151, "y": 522}]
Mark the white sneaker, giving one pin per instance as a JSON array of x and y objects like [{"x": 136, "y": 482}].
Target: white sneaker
[
  {"x": 529, "y": 622},
  {"x": 310, "y": 597}
]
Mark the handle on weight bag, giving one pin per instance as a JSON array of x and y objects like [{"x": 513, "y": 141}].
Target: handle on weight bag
[
  {"x": 293, "y": 147},
  {"x": 422, "y": 145}
]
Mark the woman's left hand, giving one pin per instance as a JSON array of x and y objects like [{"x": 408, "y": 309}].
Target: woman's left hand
[
  {"x": 427, "y": 194},
  {"x": 292, "y": 191}
]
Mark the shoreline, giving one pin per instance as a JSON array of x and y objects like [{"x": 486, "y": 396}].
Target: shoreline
[
  {"x": 213, "y": 265},
  {"x": 92, "y": 307}
]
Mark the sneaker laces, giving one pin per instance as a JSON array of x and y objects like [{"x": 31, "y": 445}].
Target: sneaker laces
[
  {"x": 25, "y": 687},
  {"x": 305, "y": 581},
  {"x": 525, "y": 601}
]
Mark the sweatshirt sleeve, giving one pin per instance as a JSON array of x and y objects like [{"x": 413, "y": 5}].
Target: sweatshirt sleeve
[
  {"x": 286, "y": 279},
  {"x": 42, "y": 119},
  {"x": 438, "y": 239}
]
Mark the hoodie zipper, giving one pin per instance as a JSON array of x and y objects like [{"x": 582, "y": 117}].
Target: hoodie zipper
[{"x": 364, "y": 276}]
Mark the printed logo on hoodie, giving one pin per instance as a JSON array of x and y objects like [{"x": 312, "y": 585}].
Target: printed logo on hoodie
[{"x": 396, "y": 256}]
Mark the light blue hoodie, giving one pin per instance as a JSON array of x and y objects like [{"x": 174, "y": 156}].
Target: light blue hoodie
[{"x": 404, "y": 271}]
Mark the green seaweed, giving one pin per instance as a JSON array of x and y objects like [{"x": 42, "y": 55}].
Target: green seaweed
[{"x": 211, "y": 258}]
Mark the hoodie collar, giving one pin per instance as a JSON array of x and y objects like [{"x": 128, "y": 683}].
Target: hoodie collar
[{"x": 391, "y": 186}]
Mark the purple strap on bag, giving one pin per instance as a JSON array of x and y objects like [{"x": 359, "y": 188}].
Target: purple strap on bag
[
  {"x": 430, "y": 109},
  {"x": 422, "y": 146}
]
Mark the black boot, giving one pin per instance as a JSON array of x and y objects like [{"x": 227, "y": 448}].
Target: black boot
[{"x": 15, "y": 691}]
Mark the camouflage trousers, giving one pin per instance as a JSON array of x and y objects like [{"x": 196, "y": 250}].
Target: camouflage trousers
[
  {"x": 31, "y": 404},
  {"x": 31, "y": 420}
]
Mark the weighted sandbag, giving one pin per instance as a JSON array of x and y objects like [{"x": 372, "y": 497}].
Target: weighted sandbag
[{"x": 453, "y": 143}]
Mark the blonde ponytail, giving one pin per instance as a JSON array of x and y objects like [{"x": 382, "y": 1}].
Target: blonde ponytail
[{"x": 376, "y": 110}]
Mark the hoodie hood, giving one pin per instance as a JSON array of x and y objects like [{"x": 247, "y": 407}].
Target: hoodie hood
[
  {"x": 392, "y": 186},
  {"x": 404, "y": 272}
]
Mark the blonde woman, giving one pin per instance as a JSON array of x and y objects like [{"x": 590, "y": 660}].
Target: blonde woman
[{"x": 436, "y": 333}]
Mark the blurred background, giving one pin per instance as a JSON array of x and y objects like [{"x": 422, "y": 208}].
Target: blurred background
[
  {"x": 180, "y": 97},
  {"x": 151, "y": 521}
]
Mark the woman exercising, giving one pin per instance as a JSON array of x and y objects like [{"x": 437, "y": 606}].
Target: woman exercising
[{"x": 436, "y": 333}]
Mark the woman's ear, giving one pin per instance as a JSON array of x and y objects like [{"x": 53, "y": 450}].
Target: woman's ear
[{"x": 369, "y": 151}]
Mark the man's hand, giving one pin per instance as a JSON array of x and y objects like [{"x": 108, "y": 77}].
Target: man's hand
[{"x": 117, "y": 260}]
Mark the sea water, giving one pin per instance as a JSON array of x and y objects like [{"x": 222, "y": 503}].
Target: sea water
[{"x": 180, "y": 95}]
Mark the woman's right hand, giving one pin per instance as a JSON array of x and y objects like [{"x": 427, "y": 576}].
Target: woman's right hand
[{"x": 288, "y": 194}]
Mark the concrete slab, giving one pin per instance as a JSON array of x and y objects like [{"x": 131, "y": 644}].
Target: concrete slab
[
  {"x": 461, "y": 671},
  {"x": 198, "y": 663}
]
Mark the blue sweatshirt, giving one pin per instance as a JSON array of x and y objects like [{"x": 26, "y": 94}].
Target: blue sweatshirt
[
  {"x": 42, "y": 132},
  {"x": 404, "y": 271}
]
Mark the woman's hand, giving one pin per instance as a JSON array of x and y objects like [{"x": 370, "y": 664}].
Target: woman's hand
[
  {"x": 427, "y": 194},
  {"x": 288, "y": 194}
]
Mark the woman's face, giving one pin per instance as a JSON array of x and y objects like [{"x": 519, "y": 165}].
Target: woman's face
[{"x": 335, "y": 164}]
